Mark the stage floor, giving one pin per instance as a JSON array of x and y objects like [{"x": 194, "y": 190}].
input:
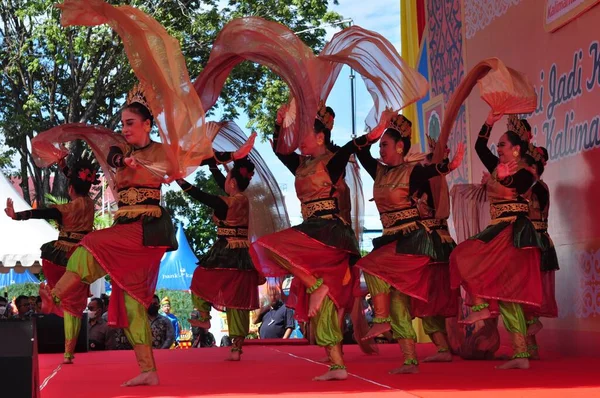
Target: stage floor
[{"x": 286, "y": 371}]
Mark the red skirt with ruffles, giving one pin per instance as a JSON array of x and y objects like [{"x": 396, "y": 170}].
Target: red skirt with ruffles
[
  {"x": 76, "y": 300},
  {"x": 132, "y": 267},
  {"x": 307, "y": 255},
  {"x": 227, "y": 287},
  {"x": 497, "y": 270},
  {"x": 549, "y": 308},
  {"x": 407, "y": 273},
  {"x": 442, "y": 300}
]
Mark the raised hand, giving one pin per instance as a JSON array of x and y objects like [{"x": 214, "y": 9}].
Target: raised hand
[
  {"x": 378, "y": 131},
  {"x": 506, "y": 169},
  {"x": 131, "y": 162},
  {"x": 458, "y": 157},
  {"x": 493, "y": 118},
  {"x": 246, "y": 148},
  {"x": 10, "y": 210}
]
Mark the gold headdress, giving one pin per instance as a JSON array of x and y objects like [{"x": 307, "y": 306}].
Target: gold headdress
[
  {"x": 165, "y": 301},
  {"x": 323, "y": 116},
  {"x": 401, "y": 124},
  {"x": 136, "y": 94},
  {"x": 518, "y": 126},
  {"x": 536, "y": 153}
]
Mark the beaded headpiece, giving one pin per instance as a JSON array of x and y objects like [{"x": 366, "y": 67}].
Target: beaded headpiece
[
  {"x": 401, "y": 124},
  {"x": 515, "y": 124},
  {"x": 136, "y": 94},
  {"x": 85, "y": 170},
  {"x": 323, "y": 116}
]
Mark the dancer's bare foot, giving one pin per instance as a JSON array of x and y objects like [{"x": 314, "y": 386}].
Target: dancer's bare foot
[
  {"x": 67, "y": 361},
  {"x": 534, "y": 328},
  {"x": 143, "y": 379},
  {"x": 234, "y": 356},
  {"x": 517, "y": 363},
  {"x": 377, "y": 329},
  {"x": 316, "y": 299},
  {"x": 475, "y": 316},
  {"x": 405, "y": 369},
  {"x": 338, "y": 374},
  {"x": 445, "y": 356},
  {"x": 199, "y": 324}
]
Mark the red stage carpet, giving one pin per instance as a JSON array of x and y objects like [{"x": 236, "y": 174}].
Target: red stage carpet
[{"x": 286, "y": 371}]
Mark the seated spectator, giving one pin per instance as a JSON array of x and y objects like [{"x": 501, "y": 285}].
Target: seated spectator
[
  {"x": 163, "y": 334},
  {"x": 24, "y": 308},
  {"x": 277, "y": 321},
  {"x": 5, "y": 309},
  {"x": 38, "y": 305},
  {"x": 100, "y": 335}
]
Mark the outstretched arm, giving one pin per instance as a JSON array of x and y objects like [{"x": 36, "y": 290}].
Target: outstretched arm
[
  {"x": 213, "y": 201},
  {"x": 292, "y": 160}
]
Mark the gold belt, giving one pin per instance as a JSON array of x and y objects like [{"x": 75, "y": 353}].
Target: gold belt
[
  {"x": 241, "y": 232},
  {"x": 392, "y": 218},
  {"x": 133, "y": 195},
  {"x": 326, "y": 205},
  {"x": 508, "y": 209},
  {"x": 540, "y": 225},
  {"x": 434, "y": 223}
]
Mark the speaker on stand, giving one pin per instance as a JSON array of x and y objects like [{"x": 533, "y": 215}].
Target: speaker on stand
[{"x": 19, "y": 358}]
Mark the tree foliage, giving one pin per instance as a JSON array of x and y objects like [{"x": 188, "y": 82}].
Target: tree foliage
[{"x": 52, "y": 75}]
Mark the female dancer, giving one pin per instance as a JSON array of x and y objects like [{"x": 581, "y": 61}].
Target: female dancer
[
  {"x": 319, "y": 251},
  {"x": 398, "y": 267},
  {"x": 539, "y": 205},
  {"x": 501, "y": 264},
  {"x": 130, "y": 251},
  {"x": 226, "y": 276},
  {"x": 442, "y": 301},
  {"x": 75, "y": 219}
]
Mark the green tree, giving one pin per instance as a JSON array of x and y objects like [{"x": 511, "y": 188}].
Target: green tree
[
  {"x": 53, "y": 75},
  {"x": 199, "y": 230}
]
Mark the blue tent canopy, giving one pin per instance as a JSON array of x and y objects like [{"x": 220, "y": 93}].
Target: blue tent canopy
[
  {"x": 177, "y": 267},
  {"x": 14, "y": 278}
]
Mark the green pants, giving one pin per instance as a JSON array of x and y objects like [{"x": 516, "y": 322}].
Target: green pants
[
  {"x": 513, "y": 317},
  {"x": 326, "y": 325},
  {"x": 72, "y": 326},
  {"x": 238, "y": 321},
  {"x": 85, "y": 265},
  {"x": 399, "y": 307},
  {"x": 434, "y": 324}
]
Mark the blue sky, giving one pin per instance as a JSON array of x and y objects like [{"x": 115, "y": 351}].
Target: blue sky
[{"x": 384, "y": 19}]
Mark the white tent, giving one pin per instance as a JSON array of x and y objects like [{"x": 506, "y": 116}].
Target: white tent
[{"x": 21, "y": 240}]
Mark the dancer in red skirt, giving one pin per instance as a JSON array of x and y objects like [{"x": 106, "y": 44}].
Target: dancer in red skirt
[
  {"x": 226, "y": 277},
  {"x": 442, "y": 301},
  {"x": 319, "y": 251},
  {"x": 130, "y": 251},
  {"x": 500, "y": 266},
  {"x": 398, "y": 267},
  {"x": 539, "y": 206},
  {"x": 75, "y": 219}
]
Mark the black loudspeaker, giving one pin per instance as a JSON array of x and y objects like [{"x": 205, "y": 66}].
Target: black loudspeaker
[
  {"x": 18, "y": 358},
  {"x": 51, "y": 334}
]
